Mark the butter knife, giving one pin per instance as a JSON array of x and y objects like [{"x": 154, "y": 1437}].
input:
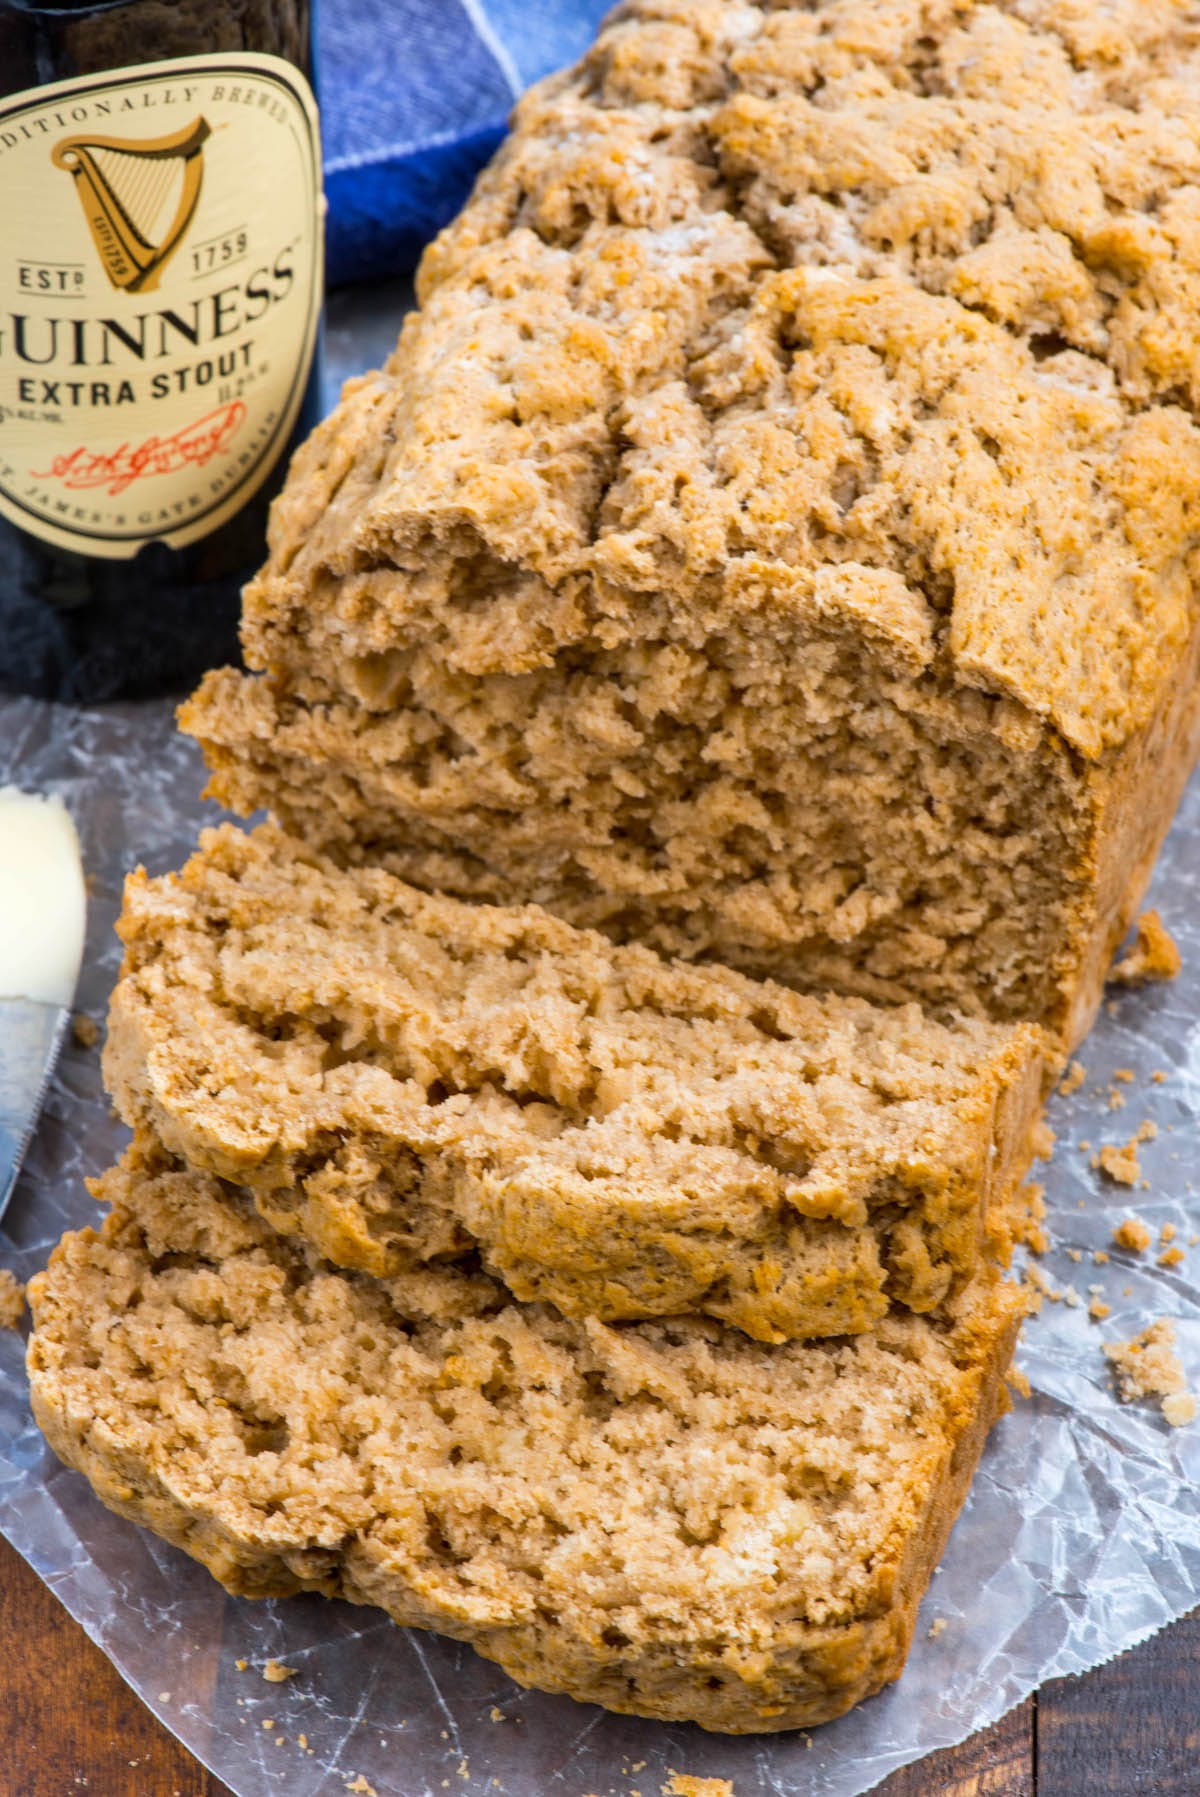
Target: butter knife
[{"x": 43, "y": 908}]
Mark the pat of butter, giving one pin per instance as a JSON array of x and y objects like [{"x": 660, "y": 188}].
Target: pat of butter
[{"x": 42, "y": 900}]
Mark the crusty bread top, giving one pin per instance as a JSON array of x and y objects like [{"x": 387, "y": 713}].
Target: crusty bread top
[{"x": 876, "y": 311}]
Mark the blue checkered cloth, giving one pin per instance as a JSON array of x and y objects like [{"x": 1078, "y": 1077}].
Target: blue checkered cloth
[{"x": 414, "y": 98}]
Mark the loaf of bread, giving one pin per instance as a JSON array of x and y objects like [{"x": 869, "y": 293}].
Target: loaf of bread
[
  {"x": 663, "y": 1517},
  {"x": 775, "y": 536},
  {"x": 402, "y": 1077}
]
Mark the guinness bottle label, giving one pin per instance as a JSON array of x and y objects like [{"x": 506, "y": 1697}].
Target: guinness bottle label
[{"x": 160, "y": 289}]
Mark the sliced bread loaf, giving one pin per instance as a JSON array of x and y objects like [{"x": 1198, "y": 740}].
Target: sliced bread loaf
[
  {"x": 775, "y": 537},
  {"x": 402, "y": 1078},
  {"x": 663, "y": 1517}
]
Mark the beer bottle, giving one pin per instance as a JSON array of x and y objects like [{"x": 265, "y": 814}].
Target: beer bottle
[{"x": 160, "y": 301}]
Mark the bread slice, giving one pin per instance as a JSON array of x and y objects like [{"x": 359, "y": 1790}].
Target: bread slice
[
  {"x": 663, "y": 1517},
  {"x": 775, "y": 536},
  {"x": 402, "y": 1078}
]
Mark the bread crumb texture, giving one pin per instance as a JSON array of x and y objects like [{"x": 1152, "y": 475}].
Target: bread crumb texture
[
  {"x": 1122, "y": 1165},
  {"x": 663, "y": 1517},
  {"x": 682, "y": 1784},
  {"x": 1029, "y": 1213},
  {"x": 402, "y": 1078},
  {"x": 277, "y": 1674},
  {"x": 1153, "y": 956},
  {"x": 1147, "y": 1366},
  {"x": 12, "y": 1300},
  {"x": 1132, "y": 1233},
  {"x": 1073, "y": 1078},
  {"x": 776, "y": 535}
]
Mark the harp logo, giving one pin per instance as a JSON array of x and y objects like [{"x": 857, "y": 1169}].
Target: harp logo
[{"x": 138, "y": 196}]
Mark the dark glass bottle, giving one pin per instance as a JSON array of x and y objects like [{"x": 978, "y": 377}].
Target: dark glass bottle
[{"x": 160, "y": 291}]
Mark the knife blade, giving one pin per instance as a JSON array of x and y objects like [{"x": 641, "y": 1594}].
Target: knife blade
[
  {"x": 31, "y": 1035},
  {"x": 43, "y": 908}
]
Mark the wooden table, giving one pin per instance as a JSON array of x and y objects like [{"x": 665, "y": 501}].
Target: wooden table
[{"x": 70, "y": 1728}]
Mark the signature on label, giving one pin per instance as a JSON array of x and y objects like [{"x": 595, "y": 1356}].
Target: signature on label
[{"x": 195, "y": 444}]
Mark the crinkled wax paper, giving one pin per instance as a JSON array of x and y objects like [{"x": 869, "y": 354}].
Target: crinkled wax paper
[{"x": 1080, "y": 1537}]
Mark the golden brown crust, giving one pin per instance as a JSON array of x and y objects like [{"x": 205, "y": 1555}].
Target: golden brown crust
[
  {"x": 774, "y": 538},
  {"x": 707, "y": 1528},
  {"x": 1132, "y": 798},
  {"x": 937, "y": 256},
  {"x": 401, "y": 1077}
]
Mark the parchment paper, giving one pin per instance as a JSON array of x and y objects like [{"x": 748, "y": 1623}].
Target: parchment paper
[{"x": 1081, "y": 1535}]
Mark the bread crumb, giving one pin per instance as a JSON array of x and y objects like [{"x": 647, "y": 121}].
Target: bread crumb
[
  {"x": 1147, "y": 1366},
  {"x": 1153, "y": 956},
  {"x": 1044, "y": 1139},
  {"x": 937, "y": 1627},
  {"x": 268, "y": 1722},
  {"x": 1124, "y": 1074},
  {"x": 1071, "y": 1297},
  {"x": 1041, "y": 1282},
  {"x": 1167, "y": 1233},
  {"x": 498, "y": 1715},
  {"x": 12, "y": 1300},
  {"x": 241, "y": 1665},
  {"x": 360, "y": 1786},
  {"x": 302, "y": 1743},
  {"x": 1147, "y": 1130},
  {"x": 1098, "y": 1310},
  {"x": 1159, "y": 1077},
  {"x": 1084, "y": 1145},
  {"x": 1072, "y": 1079},
  {"x": 85, "y": 1029},
  {"x": 679, "y": 1784},
  {"x": 1029, "y": 1209},
  {"x": 1121, "y": 1163},
  {"x": 1132, "y": 1233},
  {"x": 1075, "y": 1254},
  {"x": 1116, "y": 1099},
  {"x": 1170, "y": 1257},
  {"x": 275, "y": 1674},
  {"x": 1100, "y": 1256}
]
